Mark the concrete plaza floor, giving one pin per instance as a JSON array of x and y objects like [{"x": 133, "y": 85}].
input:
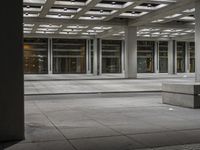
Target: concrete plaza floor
[{"x": 120, "y": 121}]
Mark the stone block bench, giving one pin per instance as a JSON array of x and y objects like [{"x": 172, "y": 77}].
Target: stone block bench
[{"x": 181, "y": 94}]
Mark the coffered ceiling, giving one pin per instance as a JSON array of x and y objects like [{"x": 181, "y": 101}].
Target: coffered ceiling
[{"x": 158, "y": 19}]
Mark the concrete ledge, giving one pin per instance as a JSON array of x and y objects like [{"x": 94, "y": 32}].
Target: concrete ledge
[{"x": 181, "y": 94}]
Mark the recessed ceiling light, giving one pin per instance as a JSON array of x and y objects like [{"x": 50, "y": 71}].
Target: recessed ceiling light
[
  {"x": 149, "y": 5},
  {"x": 27, "y": 6}
]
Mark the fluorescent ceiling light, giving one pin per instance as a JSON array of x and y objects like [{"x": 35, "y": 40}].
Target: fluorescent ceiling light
[
  {"x": 46, "y": 29},
  {"x": 159, "y": 20},
  {"x": 189, "y": 10},
  {"x": 151, "y": 8},
  {"x": 28, "y": 25},
  {"x": 74, "y": 30},
  {"x": 173, "y": 16},
  {"x": 31, "y": 15},
  {"x": 50, "y": 26},
  {"x": 102, "y": 28},
  {"x": 188, "y": 18},
  {"x": 27, "y": 31},
  {"x": 77, "y": 27},
  {"x": 43, "y": 32},
  {"x": 89, "y": 33},
  {"x": 133, "y": 14},
  {"x": 35, "y": 1},
  {"x": 91, "y": 18},
  {"x": 117, "y": 34},
  {"x": 170, "y": 1},
  {"x": 59, "y": 16},
  {"x": 70, "y": 33},
  {"x": 190, "y": 31}
]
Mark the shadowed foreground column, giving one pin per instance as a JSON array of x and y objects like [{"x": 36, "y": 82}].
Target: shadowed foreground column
[
  {"x": 11, "y": 65},
  {"x": 197, "y": 41}
]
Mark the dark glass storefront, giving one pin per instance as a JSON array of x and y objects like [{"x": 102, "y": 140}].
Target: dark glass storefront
[
  {"x": 35, "y": 56},
  {"x": 111, "y": 56},
  {"x": 145, "y": 56},
  {"x": 163, "y": 56},
  {"x": 181, "y": 57},
  {"x": 192, "y": 56},
  {"x": 69, "y": 56}
]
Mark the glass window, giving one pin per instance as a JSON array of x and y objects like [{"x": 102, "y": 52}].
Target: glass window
[
  {"x": 91, "y": 52},
  {"x": 163, "y": 56},
  {"x": 180, "y": 57},
  {"x": 145, "y": 56},
  {"x": 69, "y": 56},
  {"x": 111, "y": 56},
  {"x": 35, "y": 56},
  {"x": 192, "y": 56}
]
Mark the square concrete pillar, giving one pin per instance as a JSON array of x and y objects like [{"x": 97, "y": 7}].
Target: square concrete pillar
[
  {"x": 131, "y": 52},
  {"x": 187, "y": 57},
  {"x": 50, "y": 56},
  {"x": 172, "y": 57},
  {"x": 95, "y": 57},
  {"x": 11, "y": 76},
  {"x": 156, "y": 57}
]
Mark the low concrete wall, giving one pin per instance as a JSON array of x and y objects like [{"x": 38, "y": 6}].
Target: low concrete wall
[{"x": 181, "y": 94}]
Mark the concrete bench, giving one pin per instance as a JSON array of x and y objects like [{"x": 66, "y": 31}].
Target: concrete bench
[{"x": 181, "y": 94}]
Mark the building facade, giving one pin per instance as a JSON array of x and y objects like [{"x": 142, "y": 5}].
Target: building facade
[{"x": 81, "y": 56}]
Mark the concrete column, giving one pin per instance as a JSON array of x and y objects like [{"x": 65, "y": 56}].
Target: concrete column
[
  {"x": 95, "y": 57},
  {"x": 156, "y": 58},
  {"x": 197, "y": 41},
  {"x": 187, "y": 57},
  {"x": 50, "y": 56},
  {"x": 99, "y": 56},
  {"x": 122, "y": 57},
  {"x": 131, "y": 52},
  {"x": 11, "y": 76},
  {"x": 89, "y": 57},
  {"x": 172, "y": 57}
]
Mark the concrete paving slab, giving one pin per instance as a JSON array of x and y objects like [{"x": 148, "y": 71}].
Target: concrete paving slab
[
  {"x": 50, "y": 145},
  {"x": 106, "y": 143},
  {"x": 92, "y": 132},
  {"x": 159, "y": 139}
]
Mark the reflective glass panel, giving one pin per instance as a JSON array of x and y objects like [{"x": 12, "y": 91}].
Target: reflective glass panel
[
  {"x": 69, "y": 56},
  {"x": 35, "y": 56},
  {"x": 163, "y": 56},
  {"x": 180, "y": 57},
  {"x": 192, "y": 56},
  {"x": 111, "y": 56},
  {"x": 145, "y": 56}
]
